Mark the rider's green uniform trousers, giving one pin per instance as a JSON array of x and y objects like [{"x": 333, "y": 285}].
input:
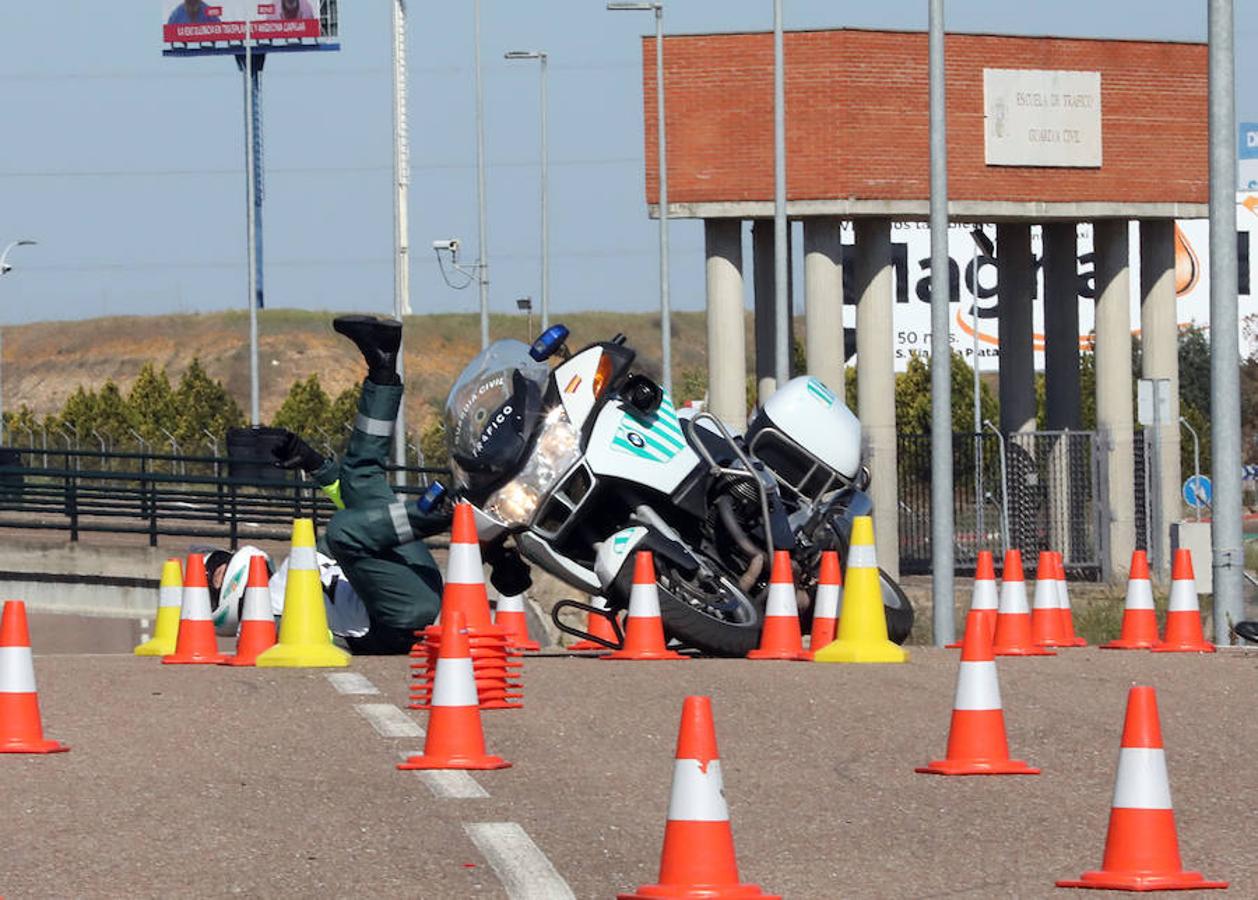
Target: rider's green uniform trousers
[{"x": 372, "y": 538}]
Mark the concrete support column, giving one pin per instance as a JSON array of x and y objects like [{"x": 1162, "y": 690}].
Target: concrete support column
[
  {"x": 765, "y": 323},
  {"x": 1015, "y": 270},
  {"x": 823, "y": 302},
  {"x": 875, "y": 382},
  {"x": 1159, "y": 344},
  {"x": 1067, "y": 460},
  {"x": 1113, "y": 396},
  {"x": 727, "y": 329}
]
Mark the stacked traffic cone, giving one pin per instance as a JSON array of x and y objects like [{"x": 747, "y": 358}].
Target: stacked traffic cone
[
  {"x": 1063, "y": 603},
  {"x": 21, "y": 730},
  {"x": 598, "y": 626},
  {"x": 1140, "y": 624},
  {"x": 644, "y": 629},
  {"x": 698, "y": 859},
  {"x": 510, "y": 615},
  {"x": 304, "y": 639},
  {"x": 1183, "y": 615},
  {"x": 1141, "y": 846},
  {"x": 780, "y": 638},
  {"x": 169, "y": 600},
  {"x": 862, "y": 632},
  {"x": 495, "y": 664},
  {"x": 984, "y": 599},
  {"x": 257, "y": 622},
  {"x": 455, "y": 739},
  {"x": 977, "y": 744},
  {"x": 1013, "y": 620},
  {"x": 1047, "y": 628},
  {"x": 196, "y": 644},
  {"x": 826, "y": 606}
]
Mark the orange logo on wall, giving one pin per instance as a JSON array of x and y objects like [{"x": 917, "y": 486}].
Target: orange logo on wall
[{"x": 1187, "y": 266}]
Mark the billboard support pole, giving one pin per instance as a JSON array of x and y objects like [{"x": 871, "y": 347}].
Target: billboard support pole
[
  {"x": 401, "y": 248},
  {"x": 782, "y": 301}
]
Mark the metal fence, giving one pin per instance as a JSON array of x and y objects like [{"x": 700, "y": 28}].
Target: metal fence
[
  {"x": 1030, "y": 491},
  {"x": 161, "y": 494}
]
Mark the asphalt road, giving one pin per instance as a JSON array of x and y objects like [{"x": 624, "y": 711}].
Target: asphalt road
[{"x": 187, "y": 781}]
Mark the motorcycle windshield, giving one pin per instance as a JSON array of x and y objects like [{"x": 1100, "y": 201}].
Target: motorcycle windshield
[{"x": 492, "y": 411}]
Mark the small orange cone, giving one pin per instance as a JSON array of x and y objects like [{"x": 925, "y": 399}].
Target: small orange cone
[
  {"x": 465, "y": 574},
  {"x": 510, "y": 615},
  {"x": 1012, "y": 636},
  {"x": 197, "y": 643},
  {"x": 257, "y": 621},
  {"x": 644, "y": 630},
  {"x": 977, "y": 744},
  {"x": 1141, "y": 846},
  {"x": 599, "y": 626},
  {"x": 21, "y": 730},
  {"x": 825, "y": 615},
  {"x": 1063, "y": 603},
  {"x": 1046, "y": 622},
  {"x": 455, "y": 739},
  {"x": 1183, "y": 615},
  {"x": 781, "y": 638},
  {"x": 1140, "y": 623},
  {"x": 698, "y": 859},
  {"x": 984, "y": 599}
]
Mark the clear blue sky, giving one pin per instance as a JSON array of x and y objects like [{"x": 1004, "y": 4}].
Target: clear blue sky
[{"x": 128, "y": 167}]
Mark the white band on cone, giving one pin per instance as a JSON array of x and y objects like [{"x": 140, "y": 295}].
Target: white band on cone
[
  {"x": 302, "y": 558},
  {"x": 257, "y": 606},
  {"x": 513, "y": 603},
  {"x": 464, "y": 565},
  {"x": 454, "y": 684},
  {"x": 1142, "y": 781},
  {"x": 1063, "y": 593},
  {"x": 1046, "y": 594},
  {"x": 1139, "y": 594},
  {"x": 171, "y": 595},
  {"x": 195, "y": 605},
  {"x": 1013, "y": 597},
  {"x": 827, "y": 601},
  {"x": 1183, "y": 596},
  {"x": 781, "y": 601},
  {"x": 697, "y": 795},
  {"x": 977, "y": 686},
  {"x": 17, "y": 671},
  {"x": 644, "y": 602},
  {"x": 862, "y": 556},
  {"x": 984, "y": 596}
]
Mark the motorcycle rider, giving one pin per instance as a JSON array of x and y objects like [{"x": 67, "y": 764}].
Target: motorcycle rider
[{"x": 375, "y": 537}]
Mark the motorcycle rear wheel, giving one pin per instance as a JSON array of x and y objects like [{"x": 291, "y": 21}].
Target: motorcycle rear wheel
[{"x": 715, "y": 618}]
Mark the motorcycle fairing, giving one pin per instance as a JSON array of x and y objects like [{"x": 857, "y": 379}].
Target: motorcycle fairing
[{"x": 644, "y": 449}]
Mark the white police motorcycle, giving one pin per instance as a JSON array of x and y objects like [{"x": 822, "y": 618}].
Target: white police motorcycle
[{"x": 581, "y": 464}]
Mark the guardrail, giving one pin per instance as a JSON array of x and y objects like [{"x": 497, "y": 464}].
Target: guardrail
[{"x": 162, "y": 494}]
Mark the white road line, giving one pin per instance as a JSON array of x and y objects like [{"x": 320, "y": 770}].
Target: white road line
[
  {"x": 453, "y": 785},
  {"x": 388, "y": 720},
  {"x": 352, "y": 683},
  {"x": 522, "y": 868}
]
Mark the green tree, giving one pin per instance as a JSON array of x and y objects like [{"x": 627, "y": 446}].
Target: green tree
[
  {"x": 151, "y": 403},
  {"x": 203, "y": 405},
  {"x": 693, "y": 385},
  {"x": 113, "y": 416},
  {"x": 432, "y": 441},
  {"x": 912, "y": 397},
  {"x": 77, "y": 414},
  {"x": 305, "y": 410},
  {"x": 22, "y": 427}
]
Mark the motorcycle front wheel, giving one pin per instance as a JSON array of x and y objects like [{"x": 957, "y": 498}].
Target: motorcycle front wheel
[{"x": 708, "y": 613}]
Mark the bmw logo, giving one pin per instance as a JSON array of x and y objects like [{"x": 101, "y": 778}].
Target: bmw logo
[{"x": 636, "y": 439}]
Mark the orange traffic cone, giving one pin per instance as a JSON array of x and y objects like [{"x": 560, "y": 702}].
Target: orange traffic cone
[
  {"x": 984, "y": 598},
  {"x": 644, "y": 630},
  {"x": 196, "y": 643},
  {"x": 455, "y": 739},
  {"x": 257, "y": 621},
  {"x": 21, "y": 730},
  {"x": 1183, "y": 615},
  {"x": 698, "y": 858},
  {"x": 1012, "y": 636},
  {"x": 781, "y": 638},
  {"x": 1063, "y": 604},
  {"x": 598, "y": 626},
  {"x": 825, "y": 614},
  {"x": 1046, "y": 624},
  {"x": 977, "y": 744},
  {"x": 510, "y": 615},
  {"x": 1140, "y": 623},
  {"x": 465, "y": 575},
  {"x": 1141, "y": 847}
]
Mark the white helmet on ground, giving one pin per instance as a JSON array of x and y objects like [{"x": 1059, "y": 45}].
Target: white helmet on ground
[{"x": 231, "y": 596}]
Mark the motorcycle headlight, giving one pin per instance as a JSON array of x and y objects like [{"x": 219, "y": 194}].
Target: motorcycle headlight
[{"x": 558, "y": 447}]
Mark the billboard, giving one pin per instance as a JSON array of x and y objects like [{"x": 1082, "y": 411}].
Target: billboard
[
  {"x": 1247, "y": 156},
  {"x": 973, "y": 316},
  {"x": 219, "y": 26}
]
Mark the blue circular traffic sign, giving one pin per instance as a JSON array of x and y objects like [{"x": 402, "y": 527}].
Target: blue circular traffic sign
[{"x": 1198, "y": 491}]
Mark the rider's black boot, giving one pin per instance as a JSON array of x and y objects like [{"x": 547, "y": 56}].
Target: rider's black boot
[{"x": 378, "y": 340}]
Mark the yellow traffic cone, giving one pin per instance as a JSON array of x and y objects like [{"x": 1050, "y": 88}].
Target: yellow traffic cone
[
  {"x": 169, "y": 601},
  {"x": 305, "y": 641},
  {"x": 863, "y": 625}
]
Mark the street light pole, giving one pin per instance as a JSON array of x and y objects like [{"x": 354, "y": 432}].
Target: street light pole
[
  {"x": 666, "y": 325},
  {"x": 540, "y": 56},
  {"x": 482, "y": 263},
  {"x": 401, "y": 220},
  {"x": 781, "y": 282},
  {"x": 5, "y": 269}
]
